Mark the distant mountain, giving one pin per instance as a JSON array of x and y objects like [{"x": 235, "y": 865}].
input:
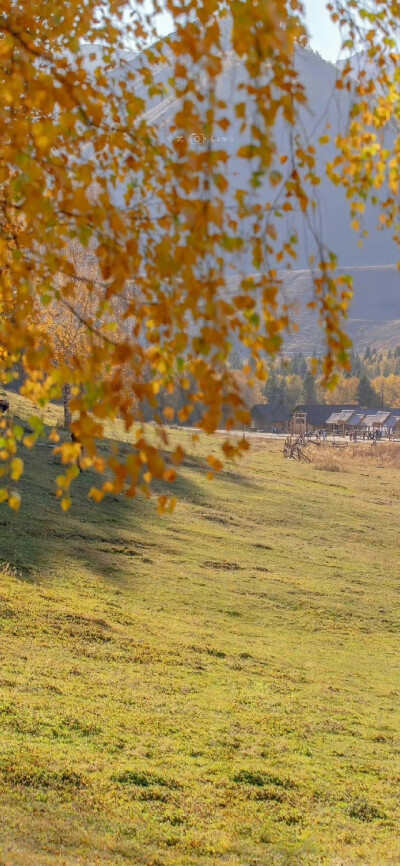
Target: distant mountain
[
  {"x": 325, "y": 105},
  {"x": 374, "y": 315},
  {"x": 359, "y": 62},
  {"x": 375, "y": 312}
]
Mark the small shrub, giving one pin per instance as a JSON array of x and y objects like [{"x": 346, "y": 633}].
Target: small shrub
[
  {"x": 223, "y": 565},
  {"x": 259, "y": 779},
  {"x": 38, "y": 777},
  {"x": 364, "y": 811},
  {"x": 290, "y": 817},
  {"x": 217, "y": 653},
  {"x": 270, "y": 794},
  {"x": 6, "y": 612},
  {"x": 247, "y": 777},
  {"x": 156, "y": 795},
  {"x": 143, "y": 780}
]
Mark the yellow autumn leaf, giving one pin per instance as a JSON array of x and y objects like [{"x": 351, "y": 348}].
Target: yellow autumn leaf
[
  {"x": 14, "y": 500},
  {"x": 16, "y": 468},
  {"x": 96, "y": 494},
  {"x": 169, "y": 475}
]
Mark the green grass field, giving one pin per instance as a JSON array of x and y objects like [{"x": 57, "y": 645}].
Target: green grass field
[{"x": 219, "y": 686}]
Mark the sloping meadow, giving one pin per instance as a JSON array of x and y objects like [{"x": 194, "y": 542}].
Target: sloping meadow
[{"x": 220, "y": 685}]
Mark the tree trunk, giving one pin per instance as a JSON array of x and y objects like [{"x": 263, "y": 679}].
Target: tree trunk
[{"x": 67, "y": 410}]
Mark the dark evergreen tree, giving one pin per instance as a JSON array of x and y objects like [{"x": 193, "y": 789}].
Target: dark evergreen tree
[
  {"x": 366, "y": 395},
  {"x": 358, "y": 368},
  {"x": 271, "y": 389},
  {"x": 303, "y": 368},
  {"x": 299, "y": 365},
  {"x": 281, "y": 392},
  {"x": 309, "y": 388}
]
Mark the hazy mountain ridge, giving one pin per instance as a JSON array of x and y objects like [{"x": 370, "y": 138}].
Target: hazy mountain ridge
[
  {"x": 375, "y": 311},
  {"x": 374, "y": 317},
  {"x": 325, "y": 105}
]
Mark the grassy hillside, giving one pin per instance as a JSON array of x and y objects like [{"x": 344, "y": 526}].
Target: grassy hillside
[{"x": 220, "y": 686}]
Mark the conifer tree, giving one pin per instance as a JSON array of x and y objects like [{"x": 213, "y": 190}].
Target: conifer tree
[
  {"x": 366, "y": 395},
  {"x": 310, "y": 394}
]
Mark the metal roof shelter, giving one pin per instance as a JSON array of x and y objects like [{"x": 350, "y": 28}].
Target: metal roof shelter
[
  {"x": 391, "y": 422},
  {"x": 356, "y": 419},
  {"x": 377, "y": 419},
  {"x": 368, "y": 420},
  {"x": 384, "y": 421},
  {"x": 381, "y": 417},
  {"x": 342, "y": 417},
  {"x": 346, "y": 415},
  {"x": 334, "y": 418}
]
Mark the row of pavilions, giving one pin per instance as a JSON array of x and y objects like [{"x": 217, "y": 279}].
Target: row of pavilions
[{"x": 339, "y": 419}]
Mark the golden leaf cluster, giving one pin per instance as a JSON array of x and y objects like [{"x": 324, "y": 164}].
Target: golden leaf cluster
[{"x": 113, "y": 242}]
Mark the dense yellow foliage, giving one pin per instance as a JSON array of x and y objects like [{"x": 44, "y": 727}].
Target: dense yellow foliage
[{"x": 128, "y": 279}]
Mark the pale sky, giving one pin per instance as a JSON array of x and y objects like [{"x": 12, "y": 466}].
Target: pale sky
[{"x": 324, "y": 35}]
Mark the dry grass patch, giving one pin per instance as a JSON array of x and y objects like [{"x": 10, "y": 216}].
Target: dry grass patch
[{"x": 355, "y": 457}]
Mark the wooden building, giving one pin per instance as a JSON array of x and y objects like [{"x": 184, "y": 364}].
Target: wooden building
[{"x": 269, "y": 417}]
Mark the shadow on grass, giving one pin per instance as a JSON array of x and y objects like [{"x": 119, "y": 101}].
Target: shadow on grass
[
  {"x": 99, "y": 536},
  {"x": 234, "y": 476}
]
